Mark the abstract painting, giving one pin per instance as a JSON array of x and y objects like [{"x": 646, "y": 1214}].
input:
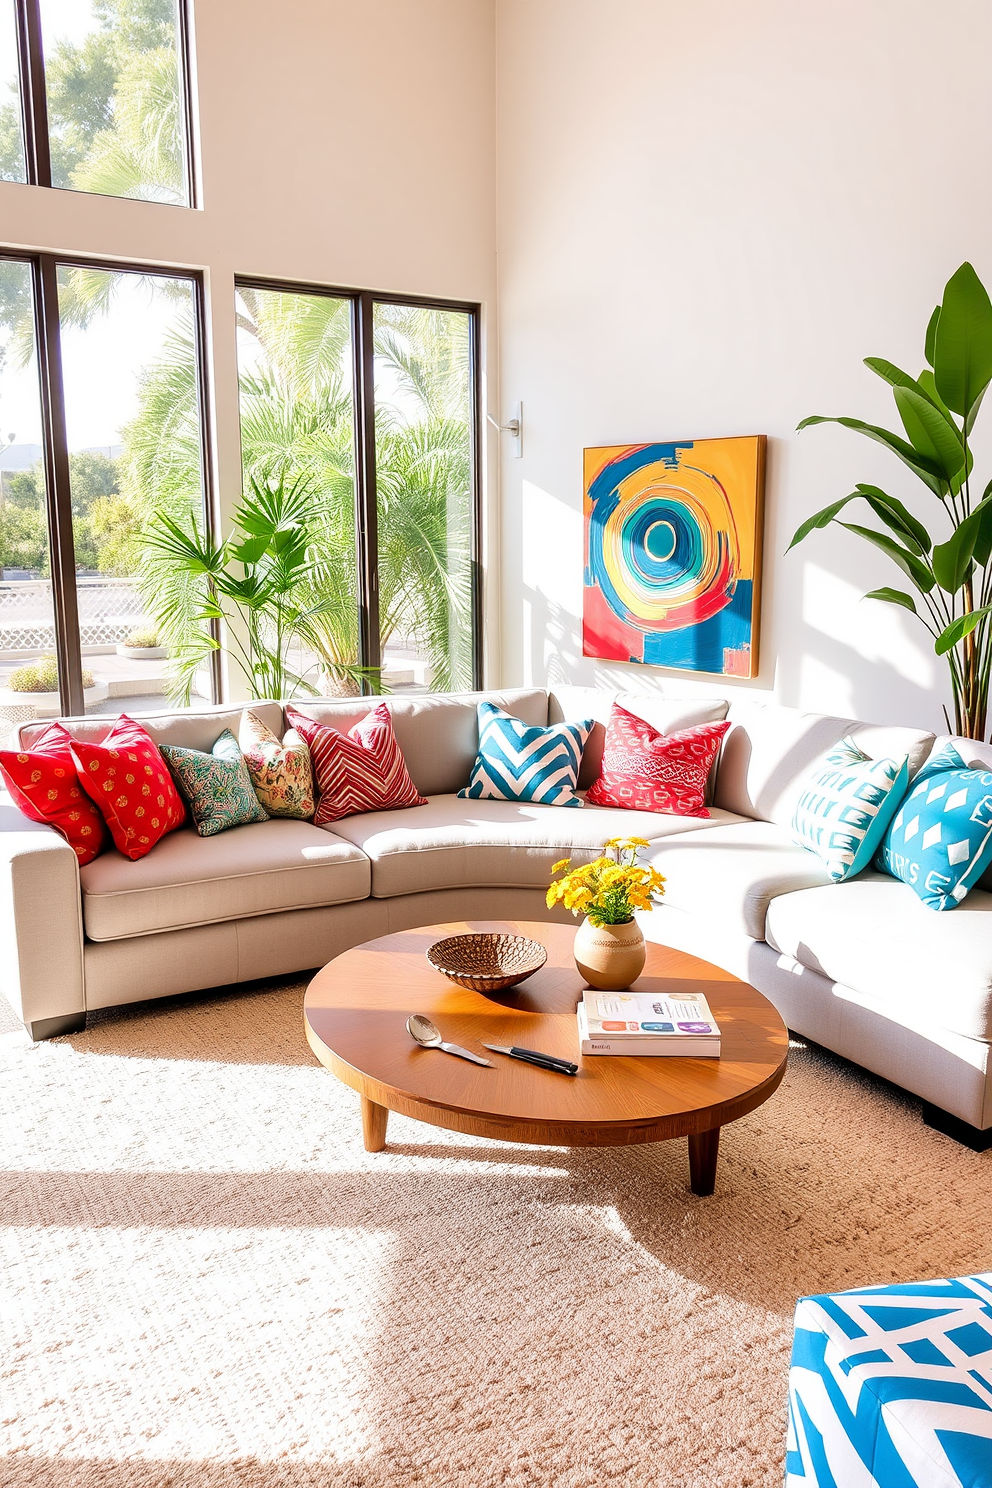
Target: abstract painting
[{"x": 673, "y": 554}]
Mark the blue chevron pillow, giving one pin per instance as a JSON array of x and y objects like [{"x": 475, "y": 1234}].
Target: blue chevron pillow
[{"x": 519, "y": 762}]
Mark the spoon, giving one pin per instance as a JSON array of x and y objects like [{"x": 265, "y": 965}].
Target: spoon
[{"x": 423, "y": 1031}]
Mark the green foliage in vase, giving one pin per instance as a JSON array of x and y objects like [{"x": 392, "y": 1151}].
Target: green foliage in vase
[{"x": 951, "y": 575}]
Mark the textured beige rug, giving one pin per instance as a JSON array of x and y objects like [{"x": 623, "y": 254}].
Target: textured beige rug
[{"x": 208, "y": 1282}]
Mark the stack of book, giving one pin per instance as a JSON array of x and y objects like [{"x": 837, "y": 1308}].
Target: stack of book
[{"x": 645, "y": 1023}]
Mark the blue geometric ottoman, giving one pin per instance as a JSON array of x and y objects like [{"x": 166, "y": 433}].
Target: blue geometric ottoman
[{"x": 891, "y": 1387}]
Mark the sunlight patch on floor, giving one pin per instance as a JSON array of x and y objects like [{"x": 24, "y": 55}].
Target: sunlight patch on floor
[{"x": 112, "y": 1331}]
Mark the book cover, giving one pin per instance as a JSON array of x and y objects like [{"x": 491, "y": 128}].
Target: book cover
[
  {"x": 649, "y": 1015},
  {"x": 641, "y": 1046}
]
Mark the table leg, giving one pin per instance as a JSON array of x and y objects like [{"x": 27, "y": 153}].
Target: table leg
[
  {"x": 374, "y": 1120},
  {"x": 703, "y": 1149}
]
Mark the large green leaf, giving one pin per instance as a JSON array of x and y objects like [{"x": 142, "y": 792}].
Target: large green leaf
[
  {"x": 952, "y": 560},
  {"x": 963, "y": 341},
  {"x": 907, "y": 561},
  {"x": 930, "y": 434},
  {"x": 894, "y": 596},
  {"x": 929, "y": 471},
  {"x": 821, "y": 519},
  {"x": 959, "y": 628},
  {"x": 895, "y": 515},
  {"x": 889, "y": 372},
  {"x": 931, "y": 337}
]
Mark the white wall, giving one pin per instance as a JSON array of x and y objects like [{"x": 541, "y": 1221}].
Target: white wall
[
  {"x": 709, "y": 213},
  {"x": 341, "y": 143}
]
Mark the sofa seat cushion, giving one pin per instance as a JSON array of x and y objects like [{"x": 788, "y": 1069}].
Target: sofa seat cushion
[
  {"x": 190, "y": 880},
  {"x": 451, "y": 843},
  {"x": 875, "y": 936},
  {"x": 732, "y": 872}
]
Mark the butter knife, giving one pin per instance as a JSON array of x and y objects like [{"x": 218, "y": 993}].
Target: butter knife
[{"x": 532, "y": 1056}]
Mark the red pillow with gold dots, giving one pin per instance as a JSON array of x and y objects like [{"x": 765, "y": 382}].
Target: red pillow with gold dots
[
  {"x": 130, "y": 782},
  {"x": 42, "y": 783}
]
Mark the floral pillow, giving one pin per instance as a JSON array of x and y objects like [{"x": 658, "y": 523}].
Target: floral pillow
[
  {"x": 128, "y": 779},
  {"x": 215, "y": 786},
  {"x": 280, "y": 773},
  {"x": 42, "y": 781}
]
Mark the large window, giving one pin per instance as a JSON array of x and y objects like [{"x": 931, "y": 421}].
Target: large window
[
  {"x": 101, "y": 409},
  {"x": 94, "y": 97},
  {"x": 370, "y": 404}
]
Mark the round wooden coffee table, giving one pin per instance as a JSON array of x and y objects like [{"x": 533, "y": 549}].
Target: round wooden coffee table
[{"x": 355, "y": 1016}]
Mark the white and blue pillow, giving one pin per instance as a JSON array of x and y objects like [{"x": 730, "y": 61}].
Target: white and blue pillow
[
  {"x": 846, "y": 807},
  {"x": 520, "y": 762},
  {"x": 940, "y": 840}
]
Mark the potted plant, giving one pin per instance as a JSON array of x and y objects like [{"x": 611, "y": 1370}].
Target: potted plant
[
  {"x": 609, "y": 944},
  {"x": 143, "y": 645},
  {"x": 37, "y": 684},
  {"x": 952, "y": 579}
]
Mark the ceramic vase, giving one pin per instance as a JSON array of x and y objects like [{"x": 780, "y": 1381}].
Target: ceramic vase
[{"x": 610, "y": 957}]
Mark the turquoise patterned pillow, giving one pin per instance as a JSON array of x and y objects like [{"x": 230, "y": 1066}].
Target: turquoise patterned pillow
[
  {"x": 940, "y": 840},
  {"x": 216, "y": 786},
  {"x": 846, "y": 806}
]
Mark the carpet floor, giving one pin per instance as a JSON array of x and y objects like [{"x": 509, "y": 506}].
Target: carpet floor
[{"x": 207, "y": 1282}]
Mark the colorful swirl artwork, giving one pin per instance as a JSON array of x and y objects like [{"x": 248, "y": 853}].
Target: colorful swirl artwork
[{"x": 673, "y": 535}]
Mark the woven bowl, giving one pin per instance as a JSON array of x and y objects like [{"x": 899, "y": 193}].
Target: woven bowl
[{"x": 486, "y": 962}]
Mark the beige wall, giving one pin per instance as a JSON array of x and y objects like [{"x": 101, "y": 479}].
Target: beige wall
[
  {"x": 340, "y": 143},
  {"x": 709, "y": 213}
]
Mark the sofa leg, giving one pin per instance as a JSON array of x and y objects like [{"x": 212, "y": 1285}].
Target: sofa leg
[
  {"x": 953, "y": 1126},
  {"x": 47, "y": 1028}
]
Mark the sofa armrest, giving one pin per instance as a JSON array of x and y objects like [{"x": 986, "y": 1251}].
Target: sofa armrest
[{"x": 41, "y": 928}]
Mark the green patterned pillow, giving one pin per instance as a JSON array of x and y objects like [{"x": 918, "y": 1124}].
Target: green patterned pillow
[{"x": 215, "y": 786}]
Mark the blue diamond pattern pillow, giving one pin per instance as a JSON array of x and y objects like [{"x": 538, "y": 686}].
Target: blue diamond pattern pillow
[
  {"x": 519, "y": 762},
  {"x": 940, "y": 840},
  {"x": 846, "y": 806}
]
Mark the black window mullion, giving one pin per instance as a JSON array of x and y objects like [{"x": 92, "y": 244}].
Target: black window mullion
[
  {"x": 58, "y": 486},
  {"x": 366, "y": 507},
  {"x": 34, "y": 96}
]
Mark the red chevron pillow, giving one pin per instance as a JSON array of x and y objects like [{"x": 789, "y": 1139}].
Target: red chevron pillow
[
  {"x": 363, "y": 770},
  {"x": 644, "y": 770}
]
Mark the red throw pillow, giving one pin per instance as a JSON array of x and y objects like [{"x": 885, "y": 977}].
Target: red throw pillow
[
  {"x": 644, "y": 770},
  {"x": 43, "y": 783},
  {"x": 363, "y": 770},
  {"x": 130, "y": 783}
]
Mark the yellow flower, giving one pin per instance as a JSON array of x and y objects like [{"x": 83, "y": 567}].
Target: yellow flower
[{"x": 559, "y": 866}]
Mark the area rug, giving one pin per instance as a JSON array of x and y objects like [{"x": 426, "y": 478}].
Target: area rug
[{"x": 207, "y": 1282}]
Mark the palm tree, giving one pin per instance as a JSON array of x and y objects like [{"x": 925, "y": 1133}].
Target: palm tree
[{"x": 297, "y": 421}]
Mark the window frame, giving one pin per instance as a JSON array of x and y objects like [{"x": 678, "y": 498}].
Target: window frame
[
  {"x": 363, "y": 304},
  {"x": 34, "y": 101},
  {"x": 55, "y": 448}
]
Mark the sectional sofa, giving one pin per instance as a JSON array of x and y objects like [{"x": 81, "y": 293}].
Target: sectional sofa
[{"x": 863, "y": 967}]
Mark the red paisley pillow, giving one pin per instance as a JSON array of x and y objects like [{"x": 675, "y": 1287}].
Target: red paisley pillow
[
  {"x": 644, "y": 770},
  {"x": 43, "y": 783},
  {"x": 362, "y": 770},
  {"x": 130, "y": 783}
]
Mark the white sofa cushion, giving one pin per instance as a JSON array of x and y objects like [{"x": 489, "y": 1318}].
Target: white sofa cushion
[
  {"x": 874, "y": 935},
  {"x": 769, "y": 754},
  {"x": 190, "y": 880},
  {"x": 665, "y": 714},
  {"x": 451, "y": 843},
  {"x": 439, "y": 735},
  {"x": 731, "y": 873}
]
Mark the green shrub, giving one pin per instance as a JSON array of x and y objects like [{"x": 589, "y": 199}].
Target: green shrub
[
  {"x": 143, "y": 638},
  {"x": 41, "y": 676}
]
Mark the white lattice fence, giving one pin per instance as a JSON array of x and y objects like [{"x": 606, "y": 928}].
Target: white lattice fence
[{"x": 109, "y": 609}]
